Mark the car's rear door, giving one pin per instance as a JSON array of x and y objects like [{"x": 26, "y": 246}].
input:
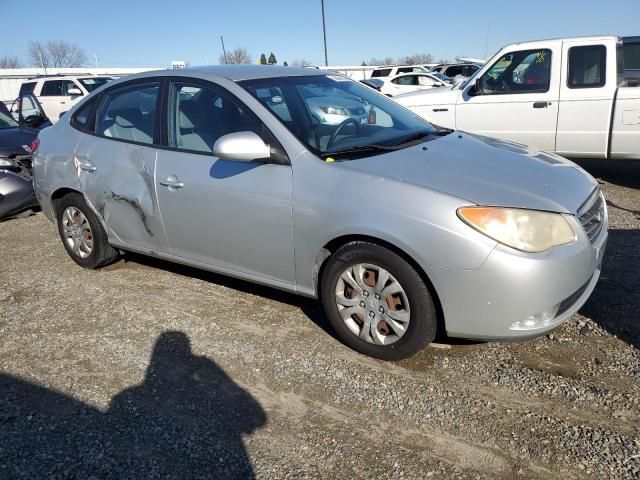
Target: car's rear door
[
  {"x": 587, "y": 89},
  {"x": 518, "y": 99},
  {"x": 115, "y": 160},
  {"x": 236, "y": 216}
]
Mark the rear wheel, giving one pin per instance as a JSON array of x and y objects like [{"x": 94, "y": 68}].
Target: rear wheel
[
  {"x": 376, "y": 302},
  {"x": 82, "y": 234}
]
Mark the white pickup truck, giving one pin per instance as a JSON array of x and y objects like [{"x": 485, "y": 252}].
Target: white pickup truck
[{"x": 578, "y": 97}]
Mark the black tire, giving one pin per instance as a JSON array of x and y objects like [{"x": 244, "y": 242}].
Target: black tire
[
  {"x": 102, "y": 252},
  {"x": 422, "y": 317}
]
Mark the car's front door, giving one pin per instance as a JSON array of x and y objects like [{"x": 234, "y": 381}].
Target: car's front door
[
  {"x": 236, "y": 216},
  {"x": 116, "y": 163},
  {"x": 515, "y": 99}
]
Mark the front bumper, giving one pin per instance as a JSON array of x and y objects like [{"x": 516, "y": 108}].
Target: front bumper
[{"x": 494, "y": 301}]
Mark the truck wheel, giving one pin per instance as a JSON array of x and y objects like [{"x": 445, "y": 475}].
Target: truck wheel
[
  {"x": 82, "y": 234},
  {"x": 376, "y": 302}
]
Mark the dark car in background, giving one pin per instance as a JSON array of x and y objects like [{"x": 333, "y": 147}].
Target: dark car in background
[{"x": 16, "y": 144}]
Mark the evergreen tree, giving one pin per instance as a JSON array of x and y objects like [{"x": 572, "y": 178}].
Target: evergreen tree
[
  {"x": 272, "y": 59},
  {"x": 285, "y": 64},
  {"x": 263, "y": 59}
]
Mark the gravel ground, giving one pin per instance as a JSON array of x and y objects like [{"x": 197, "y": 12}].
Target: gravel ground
[{"x": 150, "y": 370}]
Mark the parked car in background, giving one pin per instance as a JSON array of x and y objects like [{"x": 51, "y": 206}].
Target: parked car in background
[
  {"x": 57, "y": 94},
  {"x": 16, "y": 143},
  {"x": 571, "y": 96},
  {"x": 393, "y": 70},
  {"x": 410, "y": 82},
  {"x": 457, "y": 69},
  {"x": 399, "y": 227}
]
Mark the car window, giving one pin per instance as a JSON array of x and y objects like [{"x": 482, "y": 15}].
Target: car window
[
  {"x": 383, "y": 72},
  {"x": 470, "y": 70},
  {"x": 26, "y": 88},
  {"x": 526, "y": 71},
  {"x": 331, "y": 113},
  {"x": 406, "y": 80},
  {"x": 83, "y": 118},
  {"x": 128, "y": 113},
  {"x": 631, "y": 55},
  {"x": 587, "y": 66},
  {"x": 90, "y": 84},
  {"x": 455, "y": 70},
  {"x": 57, "y": 88},
  {"x": 405, "y": 70},
  {"x": 200, "y": 115},
  {"x": 425, "y": 81}
]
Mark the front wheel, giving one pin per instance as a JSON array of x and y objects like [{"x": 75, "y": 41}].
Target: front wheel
[
  {"x": 377, "y": 303},
  {"x": 82, "y": 234}
]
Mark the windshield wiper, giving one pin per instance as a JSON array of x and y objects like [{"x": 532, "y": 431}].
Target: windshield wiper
[
  {"x": 358, "y": 149},
  {"x": 418, "y": 135},
  {"x": 382, "y": 148}
]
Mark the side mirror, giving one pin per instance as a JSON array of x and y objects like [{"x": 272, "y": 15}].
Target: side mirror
[
  {"x": 241, "y": 147},
  {"x": 477, "y": 88},
  {"x": 74, "y": 91},
  {"x": 438, "y": 84}
]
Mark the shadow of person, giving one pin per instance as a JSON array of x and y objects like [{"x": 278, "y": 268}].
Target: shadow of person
[{"x": 186, "y": 420}]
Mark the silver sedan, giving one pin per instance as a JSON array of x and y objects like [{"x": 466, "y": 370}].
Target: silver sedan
[{"x": 401, "y": 228}]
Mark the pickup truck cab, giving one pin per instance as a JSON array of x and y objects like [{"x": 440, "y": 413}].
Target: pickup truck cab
[{"x": 572, "y": 96}]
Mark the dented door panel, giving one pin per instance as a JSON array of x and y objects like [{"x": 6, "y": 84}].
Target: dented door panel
[{"x": 118, "y": 179}]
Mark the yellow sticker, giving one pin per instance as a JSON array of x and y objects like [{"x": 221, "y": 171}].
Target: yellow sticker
[{"x": 330, "y": 159}]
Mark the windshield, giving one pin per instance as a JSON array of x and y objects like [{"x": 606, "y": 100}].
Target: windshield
[
  {"x": 7, "y": 122},
  {"x": 331, "y": 113},
  {"x": 443, "y": 77},
  {"x": 94, "y": 82}
]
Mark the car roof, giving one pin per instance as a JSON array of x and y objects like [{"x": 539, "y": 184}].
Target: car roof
[
  {"x": 236, "y": 73},
  {"x": 65, "y": 77}
]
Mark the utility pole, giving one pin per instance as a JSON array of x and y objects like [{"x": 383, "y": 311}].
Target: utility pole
[
  {"x": 324, "y": 33},
  {"x": 224, "y": 52}
]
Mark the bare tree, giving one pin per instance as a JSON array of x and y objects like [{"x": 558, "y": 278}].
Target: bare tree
[
  {"x": 239, "y": 55},
  {"x": 10, "y": 61},
  {"x": 301, "y": 63},
  {"x": 56, "y": 53},
  {"x": 377, "y": 61},
  {"x": 417, "y": 59},
  {"x": 38, "y": 55},
  {"x": 444, "y": 60}
]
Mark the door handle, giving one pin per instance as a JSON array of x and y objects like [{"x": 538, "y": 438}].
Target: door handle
[
  {"x": 172, "y": 182},
  {"x": 541, "y": 104}
]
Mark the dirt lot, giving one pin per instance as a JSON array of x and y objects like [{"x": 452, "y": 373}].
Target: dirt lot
[{"x": 150, "y": 370}]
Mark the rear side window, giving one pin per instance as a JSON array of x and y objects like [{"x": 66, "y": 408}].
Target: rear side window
[
  {"x": 85, "y": 116},
  {"x": 453, "y": 71},
  {"x": 57, "y": 88},
  {"x": 587, "y": 66},
  {"x": 26, "y": 88},
  {"x": 384, "y": 72},
  {"x": 128, "y": 113}
]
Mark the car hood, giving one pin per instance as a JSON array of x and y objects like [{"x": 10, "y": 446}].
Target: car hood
[
  {"x": 12, "y": 140},
  {"x": 433, "y": 96},
  {"x": 486, "y": 171}
]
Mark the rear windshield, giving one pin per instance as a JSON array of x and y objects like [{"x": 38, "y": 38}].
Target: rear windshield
[{"x": 94, "y": 82}]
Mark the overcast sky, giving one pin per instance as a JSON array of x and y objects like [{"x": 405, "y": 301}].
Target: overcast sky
[{"x": 153, "y": 33}]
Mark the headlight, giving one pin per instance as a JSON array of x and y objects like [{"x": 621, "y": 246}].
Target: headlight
[
  {"x": 5, "y": 162},
  {"x": 526, "y": 230},
  {"x": 334, "y": 111}
]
